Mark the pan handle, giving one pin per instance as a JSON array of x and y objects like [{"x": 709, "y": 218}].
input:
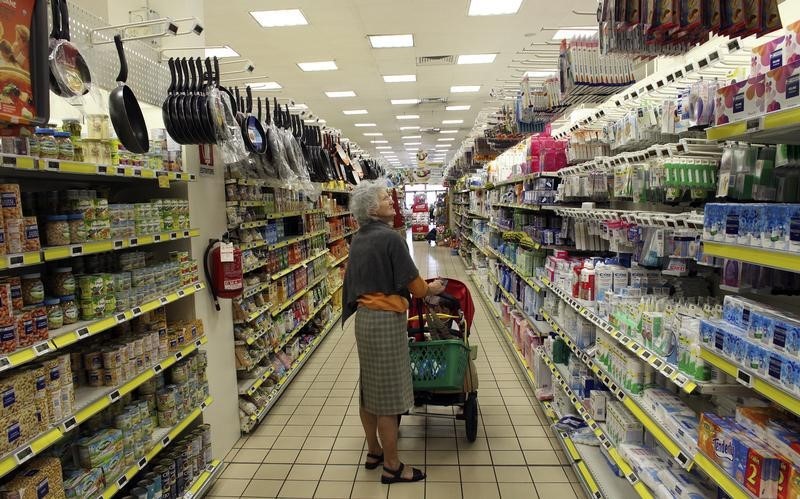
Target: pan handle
[
  {"x": 267, "y": 117},
  {"x": 64, "y": 22},
  {"x": 55, "y": 34},
  {"x": 201, "y": 76},
  {"x": 122, "y": 77},
  {"x": 179, "y": 71},
  {"x": 249, "y": 99},
  {"x": 288, "y": 116},
  {"x": 238, "y": 99},
  {"x": 276, "y": 112},
  {"x": 259, "y": 108},
  {"x": 172, "y": 74},
  {"x": 193, "y": 72},
  {"x": 209, "y": 72},
  {"x": 216, "y": 71}
]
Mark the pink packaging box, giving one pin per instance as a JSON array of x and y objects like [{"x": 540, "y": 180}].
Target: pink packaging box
[
  {"x": 782, "y": 87},
  {"x": 740, "y": 101}
]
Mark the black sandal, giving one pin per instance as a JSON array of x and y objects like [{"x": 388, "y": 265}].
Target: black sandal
[
  {"x": 397, "y": 476},
  {"x": 372, "y": 466}
]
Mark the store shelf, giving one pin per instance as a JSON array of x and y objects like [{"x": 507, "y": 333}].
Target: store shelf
[
  {"x": 254, "y": 289},
  {"x": 336, "y": 238},
  {"x": 287, "y": 378},
  {"x": 280, "y": 244},
  {"x": 521, "y": 178},
  {"x": 599, "y": 432},
  {"x": 777, "y": 127},
  {"x": 256, "y": 314},
  {"x": 28, "y": 163},
  {"x": 280, "y": 308},
  {"x": 91, "y": 401},
  {"x": 530, "y": 281},
  {"x": 782, "y": 260},
  {"x": 650, "y": 422},
  {"x": 288, "y": 337},
  {"x": 73, "y": 333},
  {"x": 341, "y": 260},
  {"x": 720, "y": 478},
  {"x": 654, "y": 360},
  {"x": 161, "y": 439},
  {"x": 250, "y": 385},
  {"x": 303, "y": 263},
  {"x": 537, "y": 326},
  {"x": 529, "y": 207},
  {"x": 52, "y": 253},
  {"x": 339, "y": 214},
  {"x": 473, "y": 214},
  {"x": 67, "y": 335},
  {"x": 770, "y": 389},
  {"x": 203, "y": 483}
]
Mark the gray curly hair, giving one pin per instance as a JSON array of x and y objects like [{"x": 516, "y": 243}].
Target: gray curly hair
[{"x": 364, "y": 200}]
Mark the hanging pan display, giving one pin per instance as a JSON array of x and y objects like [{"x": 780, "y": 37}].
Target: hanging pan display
[
  {"x": 252, "y": 131},
  {"x": 172, "y": 126},
  {"x": 69, "y": 73},
  {"x": 126, "y": 115}
]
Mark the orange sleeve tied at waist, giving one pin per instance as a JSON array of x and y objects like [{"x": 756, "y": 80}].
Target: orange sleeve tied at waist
[{"x": 394, "y": 303}]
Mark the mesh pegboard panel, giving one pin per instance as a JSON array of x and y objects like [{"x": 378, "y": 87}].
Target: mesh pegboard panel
[{"x": 146, "y": 76}]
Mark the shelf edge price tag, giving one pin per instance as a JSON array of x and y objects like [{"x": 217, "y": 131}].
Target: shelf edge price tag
[
  {"x": 753, "y": 124},
  {"x": 165, "y": 440},
  {"x": 24, "y": 455},
  {"x": 163, "y": 181},
  {"x": 142, "y": 462}
]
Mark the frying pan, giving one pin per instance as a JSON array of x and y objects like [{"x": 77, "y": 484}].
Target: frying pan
[
  {"x": 69, "y": 73},
  {"x": 165, "y": 116},
  {"x": 252, "y": 130},
  {"x": 126, "y": 115},
  {"x": 219, "y": 110},
  {"x": 176, "y": 106},
  {"x": 203, "y": 110},
  {"x": 239, "y": 107},
  {"x": 187, "y": 103},
  {"x": 198, "y": 103}
]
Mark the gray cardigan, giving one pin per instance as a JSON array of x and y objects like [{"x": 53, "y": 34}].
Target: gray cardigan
[{"x": 379, "y": 263}]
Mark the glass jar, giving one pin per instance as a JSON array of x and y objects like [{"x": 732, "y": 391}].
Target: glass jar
[
  {"x": 69, "y": 309},
  {"x": 63, "y": 281},
  {"x": 78, "y": 233},
  {"x": 72, "y": 126},
  {"x": 57, "y": 230},
  {"x": 33, "y": 144},
  {"x": 66, "y": 150},
  {"x": 55, "y": 314},
  {"x": 48, "y": 147},
  {"x": 32, "y": 289}
]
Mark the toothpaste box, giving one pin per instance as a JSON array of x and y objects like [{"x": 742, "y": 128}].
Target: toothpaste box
[
  {"x": 715, "y": 440},
  {"x": 597, "y": 403}
]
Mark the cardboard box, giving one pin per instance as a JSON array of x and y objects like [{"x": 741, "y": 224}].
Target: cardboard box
[
  {"x": 740, "y": 101},
  {"x": 40, "y": 479}
]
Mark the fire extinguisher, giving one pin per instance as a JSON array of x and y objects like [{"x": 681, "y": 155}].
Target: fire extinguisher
[{"x": 222, "y": 263}]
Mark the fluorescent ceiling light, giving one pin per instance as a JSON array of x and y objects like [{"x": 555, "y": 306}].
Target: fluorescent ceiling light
[
  {"x": 399, "y": 78},
  {"x": 447, "y": 139},
  {"x": 565, "y": 33},
  {"x": 365, "y": 125},
  {"x": 338, "y": 95},
  {"x": 391, "y": 41},
  {"x": 477, "y": 58},
  {"x": 443, "y": 146},
  {"x": 400, "y": 102},
  {"x": 540, "y": 73},
  {"x": 298, "y": 107},
  {"x": 315, "y": 121},
  {"x": 409, "y": 128},
  {"x": 221, "y": 52},
  {"x": 379, "y": 141},
  {"x": 277, "y": 18},
  {"x": 413, "y": 143},
  {"x": 493, "y": 7},
  {"x": 384, "y": 147},
  {"x": 318, "y": 66},
  {"x": 373, "y": 134},
  {"x": 350, "y": 112},
  {"x": 457, "y": 108},
  {"x": 409, "y": 137},
  {"x": 449, "y": 131},
  {"x": 452, "y": 122},
  {"x": 389, "y": 153},
  {"x": 408, "y": 117},
  {"x": 463, "y": 89},
  {"x": 265, "y": 85}
]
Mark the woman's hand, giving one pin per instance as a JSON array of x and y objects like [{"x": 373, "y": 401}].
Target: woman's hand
[{"x": 436, "y": 287}]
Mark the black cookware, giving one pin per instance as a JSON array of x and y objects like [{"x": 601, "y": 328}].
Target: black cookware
[
  {"x": 126, "y": 115},
  {"x": 69, "y": 73},
  {"x": 252, "y": 130}
]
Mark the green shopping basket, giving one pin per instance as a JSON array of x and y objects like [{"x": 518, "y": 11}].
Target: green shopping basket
[{"x": 438, "y": 364}]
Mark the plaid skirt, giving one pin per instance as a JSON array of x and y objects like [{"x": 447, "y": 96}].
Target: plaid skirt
[{"x": 385, "y": 382}]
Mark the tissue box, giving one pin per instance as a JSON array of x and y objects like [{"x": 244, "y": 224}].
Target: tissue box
[
  {"x": 740, "y": 100},
  {"x": 782, "y": 87},
  {"x": 767, "y": 57}
]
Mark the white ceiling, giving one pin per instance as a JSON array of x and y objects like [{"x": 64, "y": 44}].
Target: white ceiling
[{"x": 338, "y": 30}]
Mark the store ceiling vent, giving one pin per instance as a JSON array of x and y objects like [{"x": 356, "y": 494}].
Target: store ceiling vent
[
  {"x": 436, "y": 60},
  {"x": 431, "y": 130},
  {"x": 433, "y": 100}
]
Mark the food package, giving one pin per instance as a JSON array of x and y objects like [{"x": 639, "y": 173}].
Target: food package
[
  {"x": 19, "y": 427},
  {"x": 10, "y": 201},
  {"x": 14, "y": 234},
  {"x": 15, "y": 391},
  {"x": 39, "y": 479}
]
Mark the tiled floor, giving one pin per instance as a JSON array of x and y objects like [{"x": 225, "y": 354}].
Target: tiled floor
[{"x": 312, "y": 445}]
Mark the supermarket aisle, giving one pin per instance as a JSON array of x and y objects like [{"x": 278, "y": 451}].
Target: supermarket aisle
[{"x": 312, "y": 445}]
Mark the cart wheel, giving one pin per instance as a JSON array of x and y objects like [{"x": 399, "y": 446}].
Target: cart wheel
[{"x": 471, "y": 416}]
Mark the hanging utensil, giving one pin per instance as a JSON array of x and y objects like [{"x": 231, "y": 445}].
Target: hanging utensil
[
  {"x": 187, "y": 106},
  {"x": 169, "y": 124},
  {"x": 201, "y": 103},
  {"x": 69, "y": 72},
  {"x": 252, "y": 131},
  {"x": 176, "y": 107},
  {"x": 126, "y": 115}
]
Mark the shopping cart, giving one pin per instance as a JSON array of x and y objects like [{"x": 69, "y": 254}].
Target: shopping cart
[{"x": 442, "y": 370}]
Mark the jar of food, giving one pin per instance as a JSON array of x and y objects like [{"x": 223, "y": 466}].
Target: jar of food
[
  {"x": 33, "y": 144},
  {"x": 69, "y": 309},
  {"x": 72, "y": 126},
  {"x": 55, "y": 314},
  {"x": 66, "y": 150},
  {"x": 63, "y": 281},
  {"x": 48, "y": 147},
  {"x": 78, "y": 233},
  {"x": 57, "y": 230},
  {"x": 32, "y": 289}
]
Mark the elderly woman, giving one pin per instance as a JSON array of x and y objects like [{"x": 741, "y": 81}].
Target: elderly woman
[{"x": 381, "y": 277}]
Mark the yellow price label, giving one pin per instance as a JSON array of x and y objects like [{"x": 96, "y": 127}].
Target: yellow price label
[{"x": 163, "y": 181}]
